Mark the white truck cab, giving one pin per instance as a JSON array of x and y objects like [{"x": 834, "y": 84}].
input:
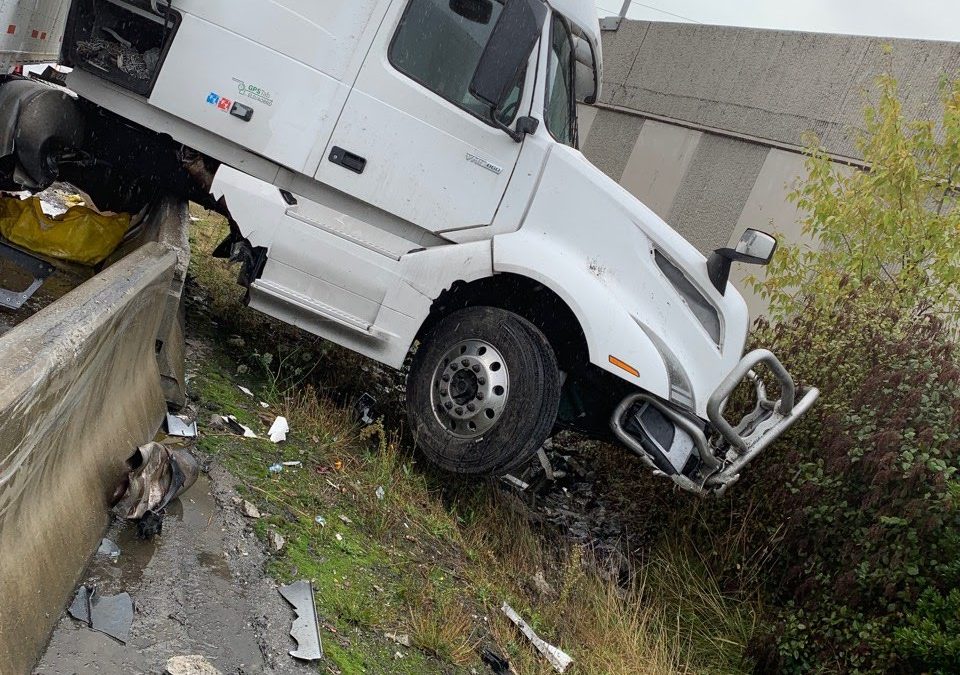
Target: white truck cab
[{"x": 402, "y": 176}]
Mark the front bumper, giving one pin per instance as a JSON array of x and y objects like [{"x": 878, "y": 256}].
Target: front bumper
[{"x": 728, "y": 449}]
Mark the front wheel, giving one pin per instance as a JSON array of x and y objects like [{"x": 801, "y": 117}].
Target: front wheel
[{"x": 483, "y": 392}]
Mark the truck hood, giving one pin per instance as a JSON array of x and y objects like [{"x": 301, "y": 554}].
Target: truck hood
[{"x": 597, "y": 246}]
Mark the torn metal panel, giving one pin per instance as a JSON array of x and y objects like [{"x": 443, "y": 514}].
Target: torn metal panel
[{"x": 304, "y": 630}]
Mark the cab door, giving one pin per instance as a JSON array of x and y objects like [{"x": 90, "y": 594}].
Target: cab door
[{"x": 411, "y": 139}]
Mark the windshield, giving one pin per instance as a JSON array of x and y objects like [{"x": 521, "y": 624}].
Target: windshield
[{"x": 561, "y": 109}]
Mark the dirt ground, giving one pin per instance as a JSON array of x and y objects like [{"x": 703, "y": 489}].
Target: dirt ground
[{"x": 198, "y": 588}]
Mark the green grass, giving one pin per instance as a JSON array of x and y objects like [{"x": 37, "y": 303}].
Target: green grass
[{"x": 435, "y": 558}]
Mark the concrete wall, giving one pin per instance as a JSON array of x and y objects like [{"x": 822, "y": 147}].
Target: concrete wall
[
  {"x": 79, "y": 390},
  {"x": 705, "y": 124}
]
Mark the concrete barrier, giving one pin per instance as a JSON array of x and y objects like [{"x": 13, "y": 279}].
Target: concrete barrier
[{"x": 80, "y": 388}]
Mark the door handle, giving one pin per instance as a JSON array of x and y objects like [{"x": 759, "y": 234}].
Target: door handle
[{"x": 348, "y": 160}]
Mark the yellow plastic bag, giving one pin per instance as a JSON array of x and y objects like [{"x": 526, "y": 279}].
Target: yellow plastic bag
[{"x": 80, "y": 235}]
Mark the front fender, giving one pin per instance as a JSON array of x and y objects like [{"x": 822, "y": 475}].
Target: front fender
[{"x": 609, "y": 328}]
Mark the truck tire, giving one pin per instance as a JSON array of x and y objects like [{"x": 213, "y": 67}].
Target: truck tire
[{"x": 482, "y": 392}]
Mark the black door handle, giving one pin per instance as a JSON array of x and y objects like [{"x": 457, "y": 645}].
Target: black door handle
[{"x": 348, "y": 160}]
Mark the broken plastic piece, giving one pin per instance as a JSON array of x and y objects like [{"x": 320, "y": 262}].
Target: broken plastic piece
[
  {"x": 557, "y": 658},
  {"x": 109, "y": 549},
  {"x": 181, "y": 426},
  {"x": 380, "y": 492},
  {"x": 305, "y": 629},
  {"x": 515, "y": 482},
  {"x": 276, "y": 468},
  {"x": 245, "y": 390},
  {"x": 364, "y": 408},
  {"x": 230, "y": 423},
  {"x": 111, "y": 614},
  {"x": 279, "y": 430}
]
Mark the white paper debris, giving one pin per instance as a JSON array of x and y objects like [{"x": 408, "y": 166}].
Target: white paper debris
[
  {"x": 264, "y": 405},
  {"x": 321, "y": 521},
  {"x": 279, "y": 430},
  {"x": 381, "y": 493},
  {"x": 245, "y": 391},
  {"x": 557, "y": 658}
]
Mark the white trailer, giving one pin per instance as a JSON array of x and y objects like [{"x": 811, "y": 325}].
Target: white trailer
[
  {"x": 402, "y": 176},
  {"x": 31, "y": 32}
]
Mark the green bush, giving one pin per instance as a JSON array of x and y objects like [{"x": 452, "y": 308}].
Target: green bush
[
  {"x": 864, "y": 492},
  {"x": 863, "y": 495}
]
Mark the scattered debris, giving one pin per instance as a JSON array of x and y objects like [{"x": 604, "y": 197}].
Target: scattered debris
[
  {"x": 190, "y": 665},
  {"x": 264, "y": 405},
  {"x": 545, "y": 463},
  {"x": 275, "y": 468},
  {"x": 557, "y": 658},
  {"x": 293, "y": 465},
  {"x": 231, "y": 424},
  {"x": 277, "y": 542},
  {"x": 510, "y": 479},
  {"x": 338, "y": 536},
  {"x": 111, "y": 614},
  {"x": 180, "y": 426},
  {"x": 321, "y": 521},
  {"x": 249, "y": 510},
  {"x": 381, "y": 493},
  {"x": 157, "y": 475},
  {"x": 399, "y": 639},
  {"x": 279, "y": 430},
  {"x": 305, "y": 629},
  {"x": 364, "y": 408},
  {"x": 346, "y": 519},
  {"x": 108, "y": 549},
  {"x": 497, "y": 662},
  {"x": 245, "y": 390}
]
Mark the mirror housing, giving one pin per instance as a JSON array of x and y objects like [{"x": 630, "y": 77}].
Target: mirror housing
[
  {"x": 754, "y": 248},
  {"x": 508, "y": 50},
  {"x": 477, "y": 11}
]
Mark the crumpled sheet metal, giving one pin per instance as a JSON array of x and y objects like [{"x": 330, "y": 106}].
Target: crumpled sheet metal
[
  {"x": 158, "y": 475},
  {"x": 79, "y": 388}
]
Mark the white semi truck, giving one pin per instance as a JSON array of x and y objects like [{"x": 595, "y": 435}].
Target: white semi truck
[{"x": 402, "y": 177}]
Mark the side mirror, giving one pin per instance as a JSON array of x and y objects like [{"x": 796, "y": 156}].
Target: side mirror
[
  {"x": 477, "y": 11},
  {"x": 754, "y": 248},
  {"x": 508, "y": 49}
]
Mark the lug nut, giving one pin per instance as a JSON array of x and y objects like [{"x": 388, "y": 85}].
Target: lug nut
[
  {"x": 445, "y": 378},
  {"x": 465, "y": 363},
  {"x": 454, "y": 366},
  {"x": 476, "y": 369},
  {"x": 481, "y": 380},
  {"x": 448, "y": 405},
  {"x": 459, "y": 411},
  {"x": 479, "y": 395},
  {"x": 443, "y": 392},
  {"x": 471, "y": 407}
]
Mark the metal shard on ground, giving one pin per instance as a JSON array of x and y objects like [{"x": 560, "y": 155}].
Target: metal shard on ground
[{"x": 305, "y": 630}]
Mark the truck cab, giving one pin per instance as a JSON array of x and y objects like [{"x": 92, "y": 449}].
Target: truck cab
[{"x": 402, "y": 177}]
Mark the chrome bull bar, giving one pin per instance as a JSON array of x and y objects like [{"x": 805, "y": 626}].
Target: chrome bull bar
[{"x": 723, "y": 462}]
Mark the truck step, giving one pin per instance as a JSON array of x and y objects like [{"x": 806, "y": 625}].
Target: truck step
[{"x": 321, "y": 309}]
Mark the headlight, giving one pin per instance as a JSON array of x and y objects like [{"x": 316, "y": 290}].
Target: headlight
[{"x": 705, "y": 312}]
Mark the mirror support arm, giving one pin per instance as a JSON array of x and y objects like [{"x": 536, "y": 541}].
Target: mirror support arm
[
  {"x": 718, "y": 269},
  {"x": 525, "y": 125}
]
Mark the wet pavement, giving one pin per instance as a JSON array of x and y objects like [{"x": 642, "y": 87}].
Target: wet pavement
[{"x": 198, "y": 588}]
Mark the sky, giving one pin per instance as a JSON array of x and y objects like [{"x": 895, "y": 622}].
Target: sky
[{"x": 924, "y": 19}]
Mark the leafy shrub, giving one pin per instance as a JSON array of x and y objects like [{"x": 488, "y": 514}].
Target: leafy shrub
[
  {"x": 864, "y": 493},
  {"x": 864, "y": 490}
]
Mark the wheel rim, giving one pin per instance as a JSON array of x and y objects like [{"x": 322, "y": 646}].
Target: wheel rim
[{"x": 471, "y": 386}]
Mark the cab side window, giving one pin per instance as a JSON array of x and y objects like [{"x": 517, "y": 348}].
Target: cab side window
[
  {"x": 440, "y": 48},
  {"x": 560, "y": 110}
]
